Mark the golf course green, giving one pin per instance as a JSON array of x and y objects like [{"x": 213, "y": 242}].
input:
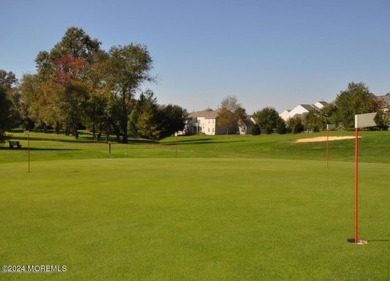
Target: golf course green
[{"x": 194, "y": 208}]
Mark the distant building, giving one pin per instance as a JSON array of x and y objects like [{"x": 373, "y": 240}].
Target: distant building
[
  {"x": 245, "y": 127},
  {"x": 205, "y": 122},
  {"x": 385, "y": 100},
  {"x": 301, "y": 109},
  {"x": 320, "y": 104},
  {"x": 285, "y": 115}
]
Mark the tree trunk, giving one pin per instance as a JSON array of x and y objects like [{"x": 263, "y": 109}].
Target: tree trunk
[
  {"x": 75, "y": 132},
  {"x": 94, "y": 132},
  {"x": 124, "y": 118},
  {"x": 57, "y": 128}
]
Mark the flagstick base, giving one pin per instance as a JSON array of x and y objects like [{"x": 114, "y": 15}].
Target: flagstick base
[{"x": 359, "y": 242}]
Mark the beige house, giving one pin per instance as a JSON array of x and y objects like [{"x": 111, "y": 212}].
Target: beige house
[{"x": 205, "y": 122}]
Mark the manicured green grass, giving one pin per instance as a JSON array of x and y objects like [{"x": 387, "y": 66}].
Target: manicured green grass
[
  {"x": 374, "y": 147},
  {"x": 167, "y": 212}
]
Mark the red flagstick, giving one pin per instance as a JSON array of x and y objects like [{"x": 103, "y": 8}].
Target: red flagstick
[
  {"x": 361, "y": 121},
  {"x": 356, "y": 183},
  {"x": 327, "y": 147}
]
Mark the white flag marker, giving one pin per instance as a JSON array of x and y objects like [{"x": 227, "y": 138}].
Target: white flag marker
[{"x": 365, "y": 120}]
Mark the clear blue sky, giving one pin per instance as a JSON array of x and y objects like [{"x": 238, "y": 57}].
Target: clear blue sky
[{"x": 277, "y": 53}]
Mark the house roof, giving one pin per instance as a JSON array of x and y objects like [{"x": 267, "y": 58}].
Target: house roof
[
  {"x": 208, "y": 114},
  {"x": 308, "y": 107},
  {"x": 248, "y": 121},
  {"x": 320, "y": 104},
  {"x": 385, "y": 99}
]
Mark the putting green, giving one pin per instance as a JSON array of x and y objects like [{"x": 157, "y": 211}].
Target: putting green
[{"x": 194, "y": 219}]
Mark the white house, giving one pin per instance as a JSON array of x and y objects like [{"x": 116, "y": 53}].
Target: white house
[
  {"x": 320, "y": 104},
  {"x": 205, "y": 122},
  {"x": 285, "y": 115},
  {"x": 301, "y": 110}
]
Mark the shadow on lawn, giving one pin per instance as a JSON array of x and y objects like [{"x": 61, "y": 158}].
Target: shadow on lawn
[
  {"x": 84, "y": 139},
  {"x": 378, "y": 240},
  {"x": 38, "y": 149},
  {"x": 56, "y": 140},
  {"x": 200, "y": 141}
]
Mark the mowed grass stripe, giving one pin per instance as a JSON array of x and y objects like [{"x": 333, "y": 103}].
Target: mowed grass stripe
[
  {"x": 373, "y": 148},
  {"x": 194, "y": 219}
]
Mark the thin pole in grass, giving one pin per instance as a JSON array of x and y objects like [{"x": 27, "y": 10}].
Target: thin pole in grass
[
  {"x": 328, "y": 128},
  {"x": 327, "y": 145},
  {"x": 28, "y": 151},
  {"x": 176, "y": 146},
  {"x": 356, "y": 185}
]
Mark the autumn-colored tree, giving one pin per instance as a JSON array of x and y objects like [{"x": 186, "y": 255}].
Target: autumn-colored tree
[
  {"x": 64, "y": 74},
  {"x": 230, "y": 114}
]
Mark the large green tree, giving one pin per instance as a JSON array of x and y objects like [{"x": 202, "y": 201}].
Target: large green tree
[
  {"x": 268, "y": 119},
  {"x": 313, "y": 120},
  {"x": 295, "y": 125},
  {"x": 329, "y": 115},
  {"x": 146, "y": 116},
  {"x": 172, "y": 119},
  {"x": 5, "y": 113},
  {"x": 356, "y": 99},
  {"x": 8, "y": 112},
  {"x": 127, "y": 68}
]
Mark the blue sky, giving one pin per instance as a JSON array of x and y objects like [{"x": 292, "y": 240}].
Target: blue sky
[{"x": 274, "y": 53}]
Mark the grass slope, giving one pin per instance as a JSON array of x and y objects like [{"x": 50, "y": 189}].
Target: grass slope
[
  {"x": 374, "y": 148},
  {"x": 234, "y": 216}
]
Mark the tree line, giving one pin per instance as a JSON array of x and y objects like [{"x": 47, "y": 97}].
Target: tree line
[
  {"x": 78, "y": 85},
  {"x": 356, "y": 99}
]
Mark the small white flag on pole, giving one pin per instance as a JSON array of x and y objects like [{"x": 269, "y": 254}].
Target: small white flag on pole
[{"x": 365, "y": 120}]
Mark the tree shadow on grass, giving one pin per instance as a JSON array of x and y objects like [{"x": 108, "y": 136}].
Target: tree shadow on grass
[
  {"x": 200, "y": 141},
  {"x": 38, "y": 149},
  {"x": 56, "y": 140},
  {"x": 378, "y": 240}
]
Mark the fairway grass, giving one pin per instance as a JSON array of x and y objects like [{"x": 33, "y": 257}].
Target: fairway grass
[
  {"x": 167, "y": 218},
  {"x": 374, "y": 147}
]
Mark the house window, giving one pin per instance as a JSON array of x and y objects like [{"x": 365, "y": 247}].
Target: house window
[{"x": 209, "y": 130}]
